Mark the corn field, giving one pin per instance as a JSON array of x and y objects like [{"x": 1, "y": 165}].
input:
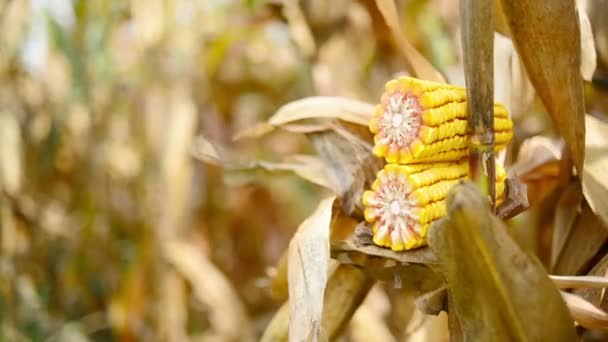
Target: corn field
[{"x": 274, "y": 170}]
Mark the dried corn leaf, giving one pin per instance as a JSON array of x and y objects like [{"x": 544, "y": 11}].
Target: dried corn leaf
[
  {"x": 547, "y": 37},
  {"x": 479, "y": 259},
  {"x": 585, "y": 313},
  {"x": 308, "y": 267},
  {"x": 346, "y": 289},
  {"x": 417, "y": 64},
  {"x": 595, "y": 295},
  {"x": 351, "y": 167},
  {"x": 567, "y": 210},
  {"x": 595, "y": 183},
  {"x": 308, "y": 167},
  {"x": 227, "y": 314},
  {"x": 582, "y": 244},
  {"x": 313, "y": 114}
]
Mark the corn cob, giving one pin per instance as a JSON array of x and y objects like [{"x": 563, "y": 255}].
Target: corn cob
[
  {"x": 406, "y": 199},
  {"x": 420, "y": 121}
]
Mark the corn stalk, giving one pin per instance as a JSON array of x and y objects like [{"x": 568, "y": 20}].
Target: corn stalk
[{"x": 477, "y": 21}]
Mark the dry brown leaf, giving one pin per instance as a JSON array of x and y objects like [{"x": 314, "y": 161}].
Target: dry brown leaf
[
  {"x": 359, "y": 246},
  {"x": 538, "y": 166},
  {"x": 598, "y": 15},
  {"x": 595, "y": 295},
  {"x": 567, "y": 210},
  {"x": 583, "y": 243},
  {"x": 547, "y": 37},
  {"x": 351, "y": 167},
  {"x": 585, "y": 313},
  {"x": 595, "y": 182},
  {"x": 308, "y": 167},
  {"x": 537, "y": 152},
  {"x": 227, "y": 314},
  {"x": 313, "y": 114},
  {"x": 308, "y": 267},
  {"x": 479, "y": 259},
  {"x": 417, "y": 64}
]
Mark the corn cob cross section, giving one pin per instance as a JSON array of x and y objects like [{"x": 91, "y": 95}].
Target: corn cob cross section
[
  {"x": 406, "y": 199},
  {"x": 420, "y": 121}
]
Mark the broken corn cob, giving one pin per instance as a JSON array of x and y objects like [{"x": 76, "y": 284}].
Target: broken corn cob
[
  {"x": 420, "y": 121},
  {"x": 406, "y": 199}
]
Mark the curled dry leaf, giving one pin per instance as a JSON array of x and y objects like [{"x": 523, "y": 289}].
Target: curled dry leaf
[
  {"x": 538, "y": 166},
  {"x": 585, "y": 313},
  {"x": 313, "y": 114},
  {"x": 308, "y": 266},
  {"x": 417, "y": 64},
  {"x": 516, "y": 199},
  {"x": 595, "y": 182},
  {"x": 358, "y": 245},
  {"x": 308, "y": 167},
  {"x": 227, "y": 314},
  {"x": 479, "y": 259},
  {"x": 351, "y": 167},
  {"x": 547, "y": 37}
]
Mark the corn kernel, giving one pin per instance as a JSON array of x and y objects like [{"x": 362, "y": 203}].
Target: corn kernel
[
  {"x": 421, "y": 121},
  {"x": 406, "y": 199}
]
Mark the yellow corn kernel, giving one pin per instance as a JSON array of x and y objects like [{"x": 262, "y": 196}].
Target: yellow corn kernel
[
  {"x": 421, "y": 121},
  {"x": 406, "y": 199}
]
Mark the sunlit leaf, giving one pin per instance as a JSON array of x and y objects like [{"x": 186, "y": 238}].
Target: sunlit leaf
[
  {"x": 367, "y": 323},
  {"x": 595, "y": 182},
  {"x": 479, "y": 259},
  {"x": 547, "y": 37},
  {"x": 588, "y": 55},
  {"x": 10, "y": 154}
]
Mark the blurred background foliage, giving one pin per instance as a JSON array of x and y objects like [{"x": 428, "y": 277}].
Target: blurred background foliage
[{"x": 111, "y": 229}]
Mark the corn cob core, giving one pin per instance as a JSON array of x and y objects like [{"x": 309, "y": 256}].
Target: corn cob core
[
  {"x": 399, "y": 123},
  {"x": 406, "y": 199},
  {"x": 421, "y": 121}
]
